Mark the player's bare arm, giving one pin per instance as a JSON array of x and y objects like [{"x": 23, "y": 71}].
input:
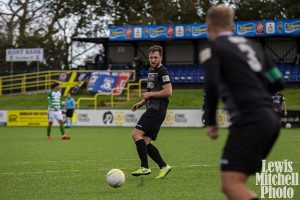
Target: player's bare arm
[
  {"x": 284, "y": 108},
  {"x": 138, "y": 105},
  {"x": 212, "y": 132}
]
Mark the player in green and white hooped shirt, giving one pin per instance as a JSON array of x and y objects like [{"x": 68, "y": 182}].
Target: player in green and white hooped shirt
[{"x": 54, "y": 111}]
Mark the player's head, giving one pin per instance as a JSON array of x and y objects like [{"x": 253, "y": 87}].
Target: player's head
[
  {"x": 155, "y": 56},
  {"x": 68, "y": 95},
  {"x": 219, "y": 19},
  {"x": 55, "y": 86}
]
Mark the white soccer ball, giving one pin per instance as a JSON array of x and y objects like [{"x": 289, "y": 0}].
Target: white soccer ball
[
  {"x": 288, "y": 125},
  {"x": 115, "y": 178}
]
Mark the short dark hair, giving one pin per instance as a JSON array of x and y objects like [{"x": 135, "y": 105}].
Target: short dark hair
[
  {"x": 156, "y": 48},
  {"x": 55, "y": 84}
]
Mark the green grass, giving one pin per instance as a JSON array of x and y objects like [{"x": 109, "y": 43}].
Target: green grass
[
  {"x": 33, "y": 168},
  {"x": 180, "y": 99}
]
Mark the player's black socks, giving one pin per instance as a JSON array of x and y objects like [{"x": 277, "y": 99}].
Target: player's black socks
[
  {"x": 255, "y": 198},
  {"x": 142, "y": 151},
  {"x": 155, "y": 155}
]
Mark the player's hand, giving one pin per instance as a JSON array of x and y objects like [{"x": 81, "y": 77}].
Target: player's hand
[
  {"x": 136, "y": 106},
  {"x": 285, "y": 113},
  {"x": 147, "y": 95},
  {"x": 212, "y": 132}
]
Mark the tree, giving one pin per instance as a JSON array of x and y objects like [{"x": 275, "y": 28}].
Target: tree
[
  {"x": 143, "y": 12},
  {"x": 50, "y": 25},
  {"x": 265, "y": 9}
]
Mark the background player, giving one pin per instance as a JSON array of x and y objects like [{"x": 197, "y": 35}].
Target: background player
[
  {"x": 279, "y": 101},
  {"x": 54, "y": 112},
  {"x": 159, "y": 88},
  {"x": 70, "y": 108},
  {"x": 250, "y": 78}
]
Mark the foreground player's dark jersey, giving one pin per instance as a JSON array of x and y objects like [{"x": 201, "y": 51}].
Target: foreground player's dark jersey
[
  {"x": 204, "y": 102},
  {"x": 156, "y": 79},
  {"x": 242, "y": 67},
  {"x": 229, "y": 105}
]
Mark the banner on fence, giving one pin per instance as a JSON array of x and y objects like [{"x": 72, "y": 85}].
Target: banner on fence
[
  {"x": 3, "y": 117},
  {"x": 105, "y": 82},
  {"x": 194, "y": 31},
  {"x": 71, "y": 81},
  {"x": 27, "y": 118},
  {"x": 293, "y": 118},
  {"x": 128, "y": 118}
]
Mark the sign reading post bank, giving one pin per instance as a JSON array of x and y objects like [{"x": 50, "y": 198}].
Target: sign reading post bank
[{"x": 21, "y": 55}]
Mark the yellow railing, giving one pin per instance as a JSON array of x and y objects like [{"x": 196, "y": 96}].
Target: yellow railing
[
  {"x": 130, "y": 85},
  {"x": 140, "y": 86},
  {"x": 84, "y": 99},
  {"x": 112, "y": 96},
  {"x": 23, "y": 83},
  {"x": 128, "y": 92}
]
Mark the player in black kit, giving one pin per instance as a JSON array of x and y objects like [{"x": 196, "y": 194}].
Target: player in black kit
[
  {"x": 250, "y": 79},
  {"x": 159, "y": 88},
  {"x": 279, "y": 103}
]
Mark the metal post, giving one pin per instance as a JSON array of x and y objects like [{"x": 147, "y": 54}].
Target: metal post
[
  {"x": 38, "y": 75},
  {"x": 0, "y": 86},
  {"x": 11, "y": 75}
]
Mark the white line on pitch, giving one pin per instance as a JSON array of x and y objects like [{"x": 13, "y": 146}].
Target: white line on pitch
[
  {"x": 74, "y": 161},
  {"x": 99, "y": 169}
]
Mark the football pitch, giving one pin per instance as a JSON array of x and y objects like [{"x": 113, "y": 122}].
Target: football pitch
[{"x": 32, "y": 168}]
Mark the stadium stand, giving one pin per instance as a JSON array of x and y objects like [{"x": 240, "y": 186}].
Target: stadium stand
[{"x": 190, "y": 73}]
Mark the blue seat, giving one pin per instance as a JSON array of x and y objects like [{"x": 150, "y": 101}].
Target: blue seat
[
  {"x": 196, "y": 79},
  {"x": 286, "y": 78},
  {"x": 176, "y": 79},
  {"x": 182, "y": 79},
  {"x": 293, "y": 78},
  {"x": 189, "y": 79}
]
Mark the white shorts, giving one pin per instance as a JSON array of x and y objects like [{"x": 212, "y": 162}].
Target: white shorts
[{"x": 55, "y": 115}]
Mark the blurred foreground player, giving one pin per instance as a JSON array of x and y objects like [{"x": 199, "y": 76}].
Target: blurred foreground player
[
  {"x": 250, "y": 79},
  {"x": 159, "y": 88},
  {"x": 55, "y": 112}
]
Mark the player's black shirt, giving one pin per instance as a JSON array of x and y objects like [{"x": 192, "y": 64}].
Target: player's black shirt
[
  {"x": 278, "y": 98},
  {"x": 228, "y": 102},
  {"x": 156, "y": 79},
  {"x": 241, "y": 65},
  {"x": 204, "y": 103}
]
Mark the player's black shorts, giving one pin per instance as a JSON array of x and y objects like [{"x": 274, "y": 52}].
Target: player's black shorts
[
  {"x": 151, "y": 121},
  {"x": 250, "y": 140},
  {"x": 69, "y": 113}
]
